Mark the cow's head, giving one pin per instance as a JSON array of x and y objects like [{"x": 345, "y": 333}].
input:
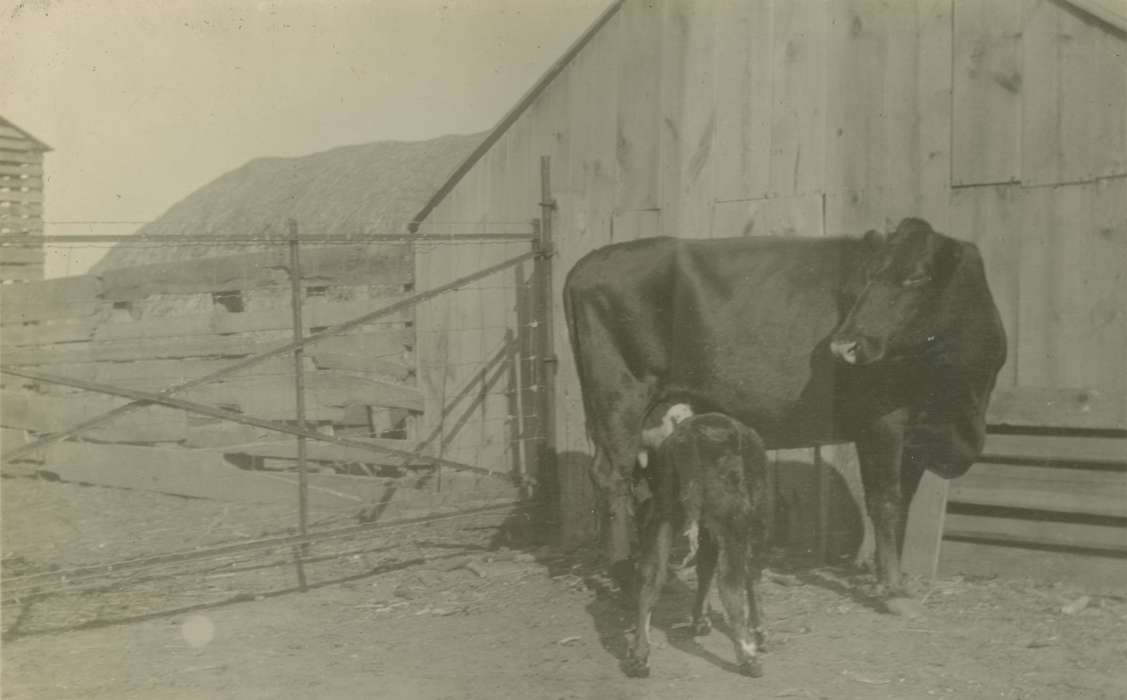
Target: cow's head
[{"x": 901, "y": 310}]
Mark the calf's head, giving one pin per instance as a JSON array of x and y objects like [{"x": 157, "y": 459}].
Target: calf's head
[{"x": 904, "y": 306}]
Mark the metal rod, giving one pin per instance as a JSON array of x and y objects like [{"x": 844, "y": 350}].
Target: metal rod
[
  {"x": 261, "y": 357},
  {"x": 299, "y": 395},
  {"x": 33, "y": 239},
  {"x": 30, "y": 580},
  {"x": 148, "y": 397},
  {"x": 546, "y": 357}
]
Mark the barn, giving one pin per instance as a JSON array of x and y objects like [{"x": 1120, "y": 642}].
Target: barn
[
  {"x": 21, "y": 203},
  {"x": 1000, "y": 123}
]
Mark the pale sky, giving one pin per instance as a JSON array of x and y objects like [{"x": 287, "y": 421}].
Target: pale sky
[{"x": 145, "y": 101}]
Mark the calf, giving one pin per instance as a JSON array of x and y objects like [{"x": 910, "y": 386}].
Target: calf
[{"x": 710, "y": 473}]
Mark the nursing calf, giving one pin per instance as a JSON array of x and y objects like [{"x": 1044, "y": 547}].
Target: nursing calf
[{"x": 709, "y": 474}]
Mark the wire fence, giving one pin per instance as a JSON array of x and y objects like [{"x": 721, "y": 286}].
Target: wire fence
[{"x": 214, "y": 419}]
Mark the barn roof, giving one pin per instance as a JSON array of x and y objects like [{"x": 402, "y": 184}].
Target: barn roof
[
  {"x": 37, "y": 145},
  {"x": 345, "y": 191},
  {"x": 513, "y": 114}
]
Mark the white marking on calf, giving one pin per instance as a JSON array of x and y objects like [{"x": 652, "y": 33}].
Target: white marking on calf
[{"x": 653, "y": 437}]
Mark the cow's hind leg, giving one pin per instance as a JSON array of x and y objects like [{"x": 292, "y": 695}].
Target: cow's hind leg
[
  {"x": 755, "y": 563},
  {"x": 707, "y": 554},
  {"x": 651, "y": 578},
  {"x": 735, "y": 595}
]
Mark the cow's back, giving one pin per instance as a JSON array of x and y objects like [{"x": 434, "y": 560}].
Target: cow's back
[{"x": 732, "y": 324}]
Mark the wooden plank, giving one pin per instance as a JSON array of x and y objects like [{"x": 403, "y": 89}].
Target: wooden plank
[
  {"x": 21, "y": 273},
  {"x": 393, "y": 344},
  {"x": 857, "y": 41},
  {"x": 639, "y": 111},
  {"x": 1098, "y": 575},
  {"x": 1093, "y": 115},
  {"x": 194, "y": 473},
  {"x": 987, "y": 92},
  {"x": 991, "y": 217},
  {"x": 11, "y": 132},
  {"x": 1057, "y": 408},
  {"x": 1057, "y": 448},
  {"x": 899, "y": 173},
  {"x": 21, "y": 196},
  {"x": 17, "y": 143},
  {"x": 1041, "y": 119},
  {"x": 343, "y": 265},
  {"x": 926, "y": 524},
  {"x": 798, "y": 89},
  {"x": 1043, "y": 532},
  {"x": 1086, "y": 492},
  {"x": 674, "y": 31},
  {"x": 742, "y": 163},
  {"x": 632, "y": 225},
  {"x": 1087, "y": 278},
  {"x": 20, "y": 168},
  {"x": 19, "y": 255},
  {"x": 21, "y": 156},
  {"x": 321, "y": 451},
  {"x": 223, "y": 433},
  {"x": 854, "y": 213},
  {"x": 274, "y": 395},
  {"x": 50, "y": 414},
  {"x": 1111, "y": 12},
  {"x": 777, "y": 216},
  {"x": 698, "y": 120},
  {"x": 64, "y": 297},
  {"x": 42, "y": 334},
  {"x": 316, "y": 313}
]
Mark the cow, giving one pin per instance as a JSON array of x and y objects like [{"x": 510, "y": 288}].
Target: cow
[
  {"x": 709, "y": 473},
  {"x": 891, "y": 342}
]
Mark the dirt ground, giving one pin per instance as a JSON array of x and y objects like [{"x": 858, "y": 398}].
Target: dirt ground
[{"x": 473, "y": 608}]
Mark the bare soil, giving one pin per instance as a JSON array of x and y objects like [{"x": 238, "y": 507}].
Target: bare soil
[{"x": 482, "y": 608}]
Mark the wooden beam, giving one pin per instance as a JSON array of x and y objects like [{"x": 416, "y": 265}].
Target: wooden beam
[
  {"x": 1097, "y": 574},
  {"x": 1107, "y": 11},
  {"x": 340, "y": 265},
  {"x": 1056, "y": 449},
  {"x": 51, "y": 414},
  {"x": 1037, "y": 532},
  {"x": 1080, "y": 491},
  {"x": 1044, "y": 407},
  {"x": 924, "y": 530},
  {"x": 194, "y": 473},
  {"x": 323, "y": 452}
]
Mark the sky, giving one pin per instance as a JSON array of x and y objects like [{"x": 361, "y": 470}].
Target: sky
[{"x": 142, "y": 102}]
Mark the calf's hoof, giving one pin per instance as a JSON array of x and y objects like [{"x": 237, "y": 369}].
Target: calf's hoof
[
  {"x": 637, "y": 668},
  {"x": 760, "y": 639},
  {"x": 904, "y": 607},
  {"x": 701, "y": 627},
  {"x": 751, "y": 668}
]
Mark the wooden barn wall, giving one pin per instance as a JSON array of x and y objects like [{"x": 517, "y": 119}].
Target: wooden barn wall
[
  {"x": 21, "y": 206},
  {"x": 1001, "y": 123}
]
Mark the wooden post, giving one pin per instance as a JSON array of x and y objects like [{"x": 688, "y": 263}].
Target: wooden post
[
  {"x": 923, "y": 531},
  {"x": 299, "y": 396},
  {"x": 546, "y": 352}
]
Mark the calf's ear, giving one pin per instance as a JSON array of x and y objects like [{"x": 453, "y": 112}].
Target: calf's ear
[{"x": 874, "y": 240}]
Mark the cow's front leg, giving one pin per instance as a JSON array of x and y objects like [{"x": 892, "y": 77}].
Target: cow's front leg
[
  {"x": 651, "y": 579},
  {"x": 880, "y": 449}
]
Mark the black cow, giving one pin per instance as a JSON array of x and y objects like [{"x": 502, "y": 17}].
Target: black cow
[
  {"x": 893, "y": 344},
  {"x": 710, "y": 474}
]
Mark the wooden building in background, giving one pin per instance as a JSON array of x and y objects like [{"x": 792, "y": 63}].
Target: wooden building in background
[
  {"x": 1003, "y": 123},
  {"x": 21, "y": 203}
]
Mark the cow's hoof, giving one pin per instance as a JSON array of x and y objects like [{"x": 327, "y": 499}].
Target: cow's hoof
[
  {"x": 904, "y": 607},
  {"x": 751, "y": 668},
  {"x": 702, "y": 627},
  {"x": 637, "y": 668}
]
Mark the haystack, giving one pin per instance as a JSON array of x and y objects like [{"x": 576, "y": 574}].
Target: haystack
[{"x": 346, "y": 191}]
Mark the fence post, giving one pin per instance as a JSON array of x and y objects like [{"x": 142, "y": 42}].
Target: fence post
[
  {"x": 299, "y": 393},
  {"x": 546, "y": 353}
]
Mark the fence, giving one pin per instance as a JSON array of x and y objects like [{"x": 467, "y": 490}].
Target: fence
[{"x": 282, "y": 391}]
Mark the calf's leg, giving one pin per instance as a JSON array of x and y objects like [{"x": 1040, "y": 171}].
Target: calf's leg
[
  {"x": 651, "y": 578},
  {"x": 707, "y": 554},
  {"x": 736, "y": 596}
]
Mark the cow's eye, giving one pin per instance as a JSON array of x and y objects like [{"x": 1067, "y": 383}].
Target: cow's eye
[{"x": 916, "y": 281}]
